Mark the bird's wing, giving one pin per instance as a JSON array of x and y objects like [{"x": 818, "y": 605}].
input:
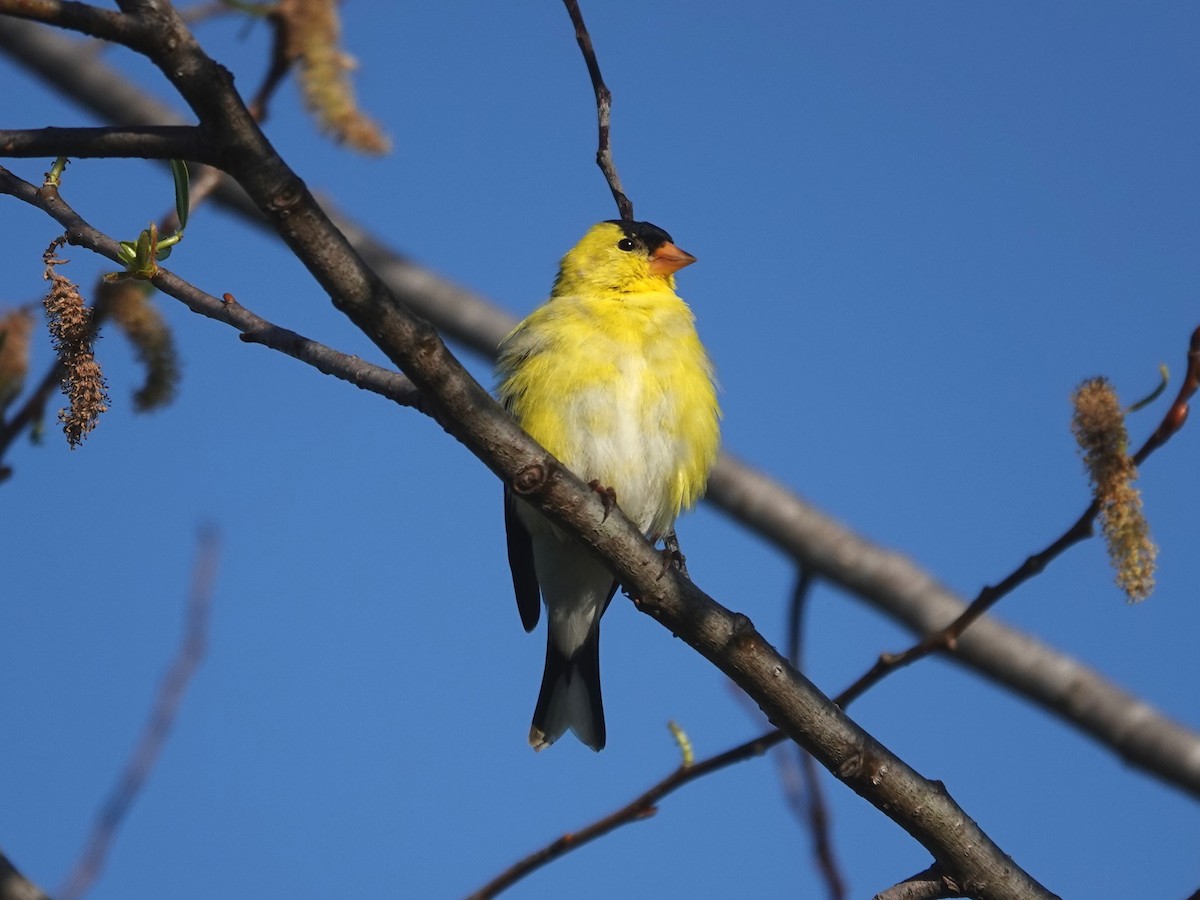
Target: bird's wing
[{"x": 520, "y": 561}]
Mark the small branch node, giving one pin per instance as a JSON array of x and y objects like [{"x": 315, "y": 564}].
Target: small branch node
[{"x": 530, "y": 478}]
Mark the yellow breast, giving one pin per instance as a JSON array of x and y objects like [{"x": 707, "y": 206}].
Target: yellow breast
[{"x": 621, "y": 391}]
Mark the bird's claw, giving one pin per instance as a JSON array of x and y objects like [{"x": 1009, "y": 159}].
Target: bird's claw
[
  {"x": 608, "y": 496},
  {"x": 672, "y": 558}
]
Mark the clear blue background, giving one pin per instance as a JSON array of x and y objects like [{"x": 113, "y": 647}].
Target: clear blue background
[{"x": 919, "y": 226}]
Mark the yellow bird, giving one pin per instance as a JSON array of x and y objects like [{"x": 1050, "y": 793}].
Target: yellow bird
[{"x": 610, "y": 377}]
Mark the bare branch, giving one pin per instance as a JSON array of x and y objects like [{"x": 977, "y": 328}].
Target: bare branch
[
  {"x": 798, "y": 770},
  {"x": 1178, "y": 412},
  {"x": 277, "y": 68},
  {"x": 67, "y": 64},
  {"x": 946, "y": 639},
  {"x": 1062, "y": 685},
  {"x": 806, "y": 801},
  {"x": 255, "y": 329},
  {"x": 464, "y": 408},
  {"x": 927, "y": 885},
  {"x": 15, "y": 886},
  {"x": 642, "y": 807},
  {"x": 32, "y": 411},
  {"x": 603, "y": 111},
  {"x": 89, "y": 20},
  {"x": 162, "y": 719},
  {"x": 721, "y": 635},
  {"x": 145, "y": 142},
  {"x": 1078, "y": 695}
]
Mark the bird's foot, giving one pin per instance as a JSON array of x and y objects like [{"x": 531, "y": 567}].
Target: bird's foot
[
  {"x": 607, "y": 496},
  {"x": 672, "y": 556}
]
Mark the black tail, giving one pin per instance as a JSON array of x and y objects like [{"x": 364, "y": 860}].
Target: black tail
[{"x": 570, "y": 696}]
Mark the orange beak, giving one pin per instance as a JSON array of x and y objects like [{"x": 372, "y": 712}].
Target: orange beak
[{"x": 669, "y": 259}]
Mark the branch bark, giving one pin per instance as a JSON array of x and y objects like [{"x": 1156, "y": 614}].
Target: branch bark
[
  {"x": 465, "y": 409},
  {"x": 1076, "y": 694},
  {"x": 15, "y": 886},
  {"x": 604, "y": 157},
  {"x": 254, "y": 329},
  {"x": 927, "y": 885},
  {"x": 141, "y": 142}
]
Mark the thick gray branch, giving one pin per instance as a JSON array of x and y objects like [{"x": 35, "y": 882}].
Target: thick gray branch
[
  {"x": 895, "y": 585},
  {"x": 1076, "y": 694},
  {"x": 921, "y": 807}
]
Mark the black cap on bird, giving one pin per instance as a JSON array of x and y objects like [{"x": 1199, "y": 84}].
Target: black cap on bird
[{"x": 665, "y": 257}]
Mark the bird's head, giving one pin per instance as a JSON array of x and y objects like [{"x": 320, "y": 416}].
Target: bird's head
[{"x": 621, "y": 257}]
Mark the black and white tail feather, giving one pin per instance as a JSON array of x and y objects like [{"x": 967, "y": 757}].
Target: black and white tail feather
[{"x": 570, "y": 694}]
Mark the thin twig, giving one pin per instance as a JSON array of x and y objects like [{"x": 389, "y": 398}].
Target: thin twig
[
  {"x": 254, "y": 328},
  {"x": 947, "y": 638},
  {"x": 1079, "y": 696},
  {"x": 261, "y": 191},
  {"x": 147, "y": 142},
  {"x": 798, "y": 770},
  {"x": 33, "y": 410},
  {"x": 162, "y": 718},
  {"x": 642, "y": 807},
  {"x": 748, "y": 658},
  {"x": 277, "y": 69},
  {"x": 801, "y": 591},
  {"x": 603, "y": 111},
  {"x": 645, "y": 805},
  {"x": 820, "y": 825}
]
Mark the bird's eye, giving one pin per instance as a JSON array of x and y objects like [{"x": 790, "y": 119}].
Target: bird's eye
[{"x": 626, "y": 244}]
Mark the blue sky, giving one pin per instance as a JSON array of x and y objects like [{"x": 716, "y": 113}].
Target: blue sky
[{"x": 919, "y": 226}]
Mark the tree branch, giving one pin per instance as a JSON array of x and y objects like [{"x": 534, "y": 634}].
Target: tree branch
[
  {"x": 30, "y": 412},
  {"x": 945, "y": 639},
  {"x": 1076, "y": 694},
  {"x": 254, "y": 329},
  {"x": 641, "y": 807},
  {"x": 603, "y": 111},
  {"x": 15, "y": 886},
  {"x": 927, "y": 885},
  {"x": 90, "y": 20},
  {"x": 465, "y": 409},
  {"x": 797, "y": 770},
  {"x": 144, "y": 142},
  {"x": 162, "y": 718}
]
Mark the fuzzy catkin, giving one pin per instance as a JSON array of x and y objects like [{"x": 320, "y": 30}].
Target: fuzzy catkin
[
  {"x": 1099, "y": 427},
  {"x": 70, "y": 323}
]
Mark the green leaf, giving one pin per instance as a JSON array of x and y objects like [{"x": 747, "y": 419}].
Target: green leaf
[
  {"x": 182, "y": 194},
  {"x": 145, "y": 241}
]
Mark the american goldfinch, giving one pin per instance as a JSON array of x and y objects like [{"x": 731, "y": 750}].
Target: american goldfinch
[{"x": 610, "y": 377}]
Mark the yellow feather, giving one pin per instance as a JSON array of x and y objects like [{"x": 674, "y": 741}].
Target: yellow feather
[{"x": 611, "y": 378}]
